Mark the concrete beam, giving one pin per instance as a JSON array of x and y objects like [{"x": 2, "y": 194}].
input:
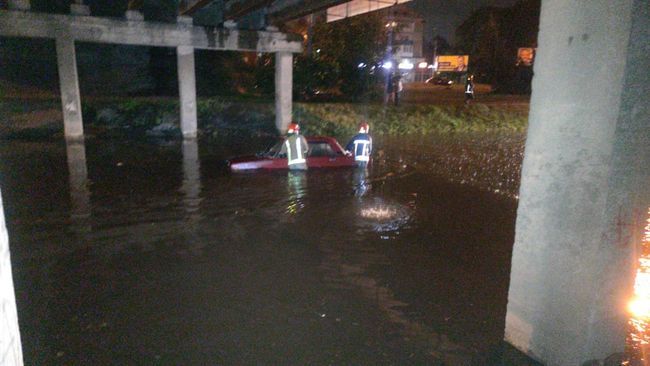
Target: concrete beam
[
  {"x": 69, "y": 85},
  {"x": 104, "y": 30},
  {"x": 189, "y": 7},
  {"x": 584, "y": 191},
  {"x": 283, "y": 90},
  {"x": 236, "y": 9},
  {"x": 187, "y": 90},
  {"x": 283, "y": 10}
]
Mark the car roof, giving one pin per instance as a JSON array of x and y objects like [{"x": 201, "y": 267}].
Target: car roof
[{"x": 320, "y": 139}]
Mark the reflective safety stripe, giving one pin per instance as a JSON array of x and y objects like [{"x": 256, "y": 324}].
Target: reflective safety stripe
[
  {"x": 364, "y": 154},
  {"x": 299, "y": 149},
  {"x": 362, "y": 158},
  {"x": 299, "y": 159}
]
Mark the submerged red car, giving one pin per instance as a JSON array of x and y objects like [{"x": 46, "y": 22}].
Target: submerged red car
[{"x": 324, "y": 152}]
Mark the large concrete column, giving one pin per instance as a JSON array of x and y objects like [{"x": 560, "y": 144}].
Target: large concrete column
[
  {"x": 133, "y": 13},
  {"x": 10, "y": 347},
  {"x": 187, "y": 90},
  {"x": 69, "y": 84},
  {"x": 283, "y": 90},
  {"x": 191, "y": 190},
  {"x": 79, "y": 8},
  {"x": 78, "y": 180},
  {"x": 191, "y": 187},
  {"x": 585, "y": 182}
]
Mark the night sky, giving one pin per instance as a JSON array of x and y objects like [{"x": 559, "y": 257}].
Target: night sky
[{"x": 443, "y": 16}]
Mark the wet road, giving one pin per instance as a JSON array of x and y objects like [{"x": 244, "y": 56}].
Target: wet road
[
  {"x": 147, "y": 253},
  {"x": 418, "y": 93}
]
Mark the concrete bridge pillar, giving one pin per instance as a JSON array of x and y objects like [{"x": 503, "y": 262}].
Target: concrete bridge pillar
[
  {"x": 191, "y": 187},
  {"x": 78, "y": 179},
  {"x": 10, "y": 347},
  {"x": 585, "y": 186},
  {"x": 79, "y": 8},
  {"x": 69, "y": 84},
  {"x": 187, "y": 90},
  {"x": 283, "y": 90},
  {"x": 19, "y": 4}
]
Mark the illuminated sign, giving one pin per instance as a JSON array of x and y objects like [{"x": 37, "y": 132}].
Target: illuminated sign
[
  {"x": 525, "y": 56},
  {"x": 456, "y": 63}
]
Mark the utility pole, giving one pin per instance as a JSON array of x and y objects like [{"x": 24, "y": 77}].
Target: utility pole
[
  {"x": 435, "y": 56},
  {"x": 310, "y": 34},
  {"x": 389, "y": 54}
]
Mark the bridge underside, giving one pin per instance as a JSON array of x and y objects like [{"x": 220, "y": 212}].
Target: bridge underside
[
  {"x": 184, "y": 36},
  {"x": 584, "y": 191}
]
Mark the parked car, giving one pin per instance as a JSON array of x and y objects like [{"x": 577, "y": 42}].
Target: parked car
[
  {"x": 439, "y": 80},
  {"x": 324, "y": 152}
]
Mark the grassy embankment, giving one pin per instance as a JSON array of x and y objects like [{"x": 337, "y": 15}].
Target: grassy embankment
[{"x": 222, "y": 117}]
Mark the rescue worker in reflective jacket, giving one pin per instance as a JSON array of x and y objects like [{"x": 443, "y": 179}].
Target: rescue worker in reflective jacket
[
  {"x": 469, "y": 89},
  {"x": 361, "y": 145},
  {"x": 296, "y": 148}
]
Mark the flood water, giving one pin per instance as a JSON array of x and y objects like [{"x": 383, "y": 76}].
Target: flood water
[{"x": 133, "y": 252}]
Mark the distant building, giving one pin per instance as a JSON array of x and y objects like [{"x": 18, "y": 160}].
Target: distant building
[{"x": 407, "y": 42}]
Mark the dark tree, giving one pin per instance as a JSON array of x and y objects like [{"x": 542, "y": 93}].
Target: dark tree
[
  {"x": 347, "y": 44},
  {"x": 491, "y": 36},
  {"x": 439, "y": 46}
]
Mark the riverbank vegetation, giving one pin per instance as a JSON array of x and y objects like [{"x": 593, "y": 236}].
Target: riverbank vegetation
[
  {"x": 218, "y": 117},
  {"x": 223, "y": 117}
]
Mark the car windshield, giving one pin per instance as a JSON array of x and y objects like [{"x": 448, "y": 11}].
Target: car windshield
[
  {"x": 274, "y": 150},
  {"x": 320, "y": 149},
  {"x": 316, "y": 148}
]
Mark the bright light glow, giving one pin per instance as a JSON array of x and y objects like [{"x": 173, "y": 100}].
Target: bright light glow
[
  {"x": 405, "y": 65},
  {"x": 318, "y": 50},
  {"x": 639, "y": 305},
  {"x": 422, "y": 65},
  {"x": 430, "y": 67},
  {"x": 387, "y": 65},
  {"x": 361, "y": 65}
]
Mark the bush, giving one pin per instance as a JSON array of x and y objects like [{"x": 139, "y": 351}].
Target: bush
[{"x": 227, "y": 116}]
